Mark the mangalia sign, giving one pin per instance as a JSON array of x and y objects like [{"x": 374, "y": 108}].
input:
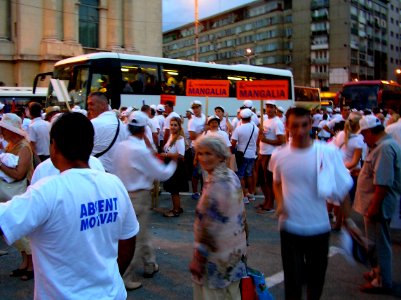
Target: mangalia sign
[
  {"x": 262, "y": 90},
  {"x": 209, "y": 88}
]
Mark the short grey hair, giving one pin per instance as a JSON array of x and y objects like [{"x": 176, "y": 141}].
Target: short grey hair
[{"x": 215, "y": 144}]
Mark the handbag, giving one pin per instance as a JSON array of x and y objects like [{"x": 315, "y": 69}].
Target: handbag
[
  {"x": 253, "y": 286},
  {"x": 9, "y": 190},
  {"x": 97, "y": 155},
  {"x": 239, "y": 155}
]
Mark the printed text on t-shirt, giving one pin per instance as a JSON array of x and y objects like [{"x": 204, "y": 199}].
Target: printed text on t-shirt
[{"x": 98, "y": 213}]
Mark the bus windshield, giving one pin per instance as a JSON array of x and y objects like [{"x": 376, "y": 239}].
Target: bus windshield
[
  {"x": 360, "y": 97},
  {"x": 307, "y": 97},
  {"x": 15, "y": 98}
]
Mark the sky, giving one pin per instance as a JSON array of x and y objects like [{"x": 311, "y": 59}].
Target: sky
[{"x": 180, "y": 12}]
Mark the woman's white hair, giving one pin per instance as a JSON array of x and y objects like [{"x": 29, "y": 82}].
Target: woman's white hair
[{"x": 215, "y": 144}]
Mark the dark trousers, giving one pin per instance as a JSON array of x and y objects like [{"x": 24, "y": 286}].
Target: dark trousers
[{"x": 304, "y": 261}]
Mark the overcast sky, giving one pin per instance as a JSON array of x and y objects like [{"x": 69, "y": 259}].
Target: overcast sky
[{"x": 180, "y": 12}]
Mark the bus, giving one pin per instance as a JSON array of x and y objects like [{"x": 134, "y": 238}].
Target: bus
[
  {"x": 368, "y": 94},
  {"x": 328, "y": 99},
  {"x": 18, "y": 97},
  {"x": 134, "y": 80},
  {"x": 307, "y": 97}
]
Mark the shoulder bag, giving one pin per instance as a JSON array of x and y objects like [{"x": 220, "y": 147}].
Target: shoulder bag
[
  {"x": 239, "y": 155},
  {"x": 97, "y": 155}
]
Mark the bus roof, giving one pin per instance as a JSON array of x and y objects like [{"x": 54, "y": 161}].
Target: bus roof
[
  {"x": 15, "y": 91},
  {"x": 370, "y": 82},
  {"x": 113, "y": 55}
]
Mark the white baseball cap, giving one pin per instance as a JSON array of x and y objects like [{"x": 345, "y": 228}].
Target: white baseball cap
[
  {"x": 213, "y": 118},
  {"x": 367, "y": 122},
  {"x": 190, "y": 110},
  {"x": 337, "y": 109},
  {"x": 138, "y": 119},
  {"x": 248, "y": 103},
  {"x": 271, "y": 102},
  {"x": 153, "y": 106},
  {"x": 280, "y": 108},
  {"x": 246, "y": 113},
  {"x": 160, "y": 107},
  {"x": 196, "y": 103}
]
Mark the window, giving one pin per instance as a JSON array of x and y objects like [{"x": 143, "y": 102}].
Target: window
[
  {"x": 89, "y": 23},
  {"x": 139, "y": 78}
]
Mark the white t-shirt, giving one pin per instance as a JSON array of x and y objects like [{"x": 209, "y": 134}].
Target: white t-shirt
[
  {"x": 46, "y": 168},
  {"x": 395, "y": 131},
  {"x": 271, "y": 129},
  {"x": 223, "y": 124},
  {"x": 197, "y": 125},
  {"x": 220, "y": 134},
  {"x": 323, "y": 133},
  {"x": 154, "y": 124},
  {"x": 355, "y": 141},
  {"x": 178, "y": 147},
  {"x": 255, "y": 119},
  {"x": 137, "y": 167},
  {"x": 160, "y": 119},
  {"x": 39, "y": 134},
  {"x": 296, "y": 170},
  {"x": 105, "y": 126},
  {"x": 235, "y": 122},
  {"x": 316, "y": 119},
  {"x": 74, "y": 222},
  {"x": 242, "y": 134}
]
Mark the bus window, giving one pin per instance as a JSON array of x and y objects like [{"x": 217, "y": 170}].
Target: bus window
[
  {"x": 175, "y": 78},
  {"x": 139, "y": 78}
]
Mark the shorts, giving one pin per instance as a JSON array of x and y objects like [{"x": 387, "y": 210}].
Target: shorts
[
  {"x": 246, "y": 169},
  {"x": 265, "y": 177}
]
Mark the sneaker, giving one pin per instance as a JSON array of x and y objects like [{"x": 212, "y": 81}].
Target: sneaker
[
  {"x": 261, "y": 210},
  {"x": 195, "y": 196},
  {"x": 246, "y": 201},
  {"x": 3, "y": 252},
  {"x": 251, "y": 197},
  {"x": 150, "y": 269}
]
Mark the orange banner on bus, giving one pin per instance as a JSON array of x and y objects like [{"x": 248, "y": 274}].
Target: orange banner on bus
[
  {"x": 165, "y": 97},
  {"x": 262, "y": 90},
  {"x": 208, "y": 88}
]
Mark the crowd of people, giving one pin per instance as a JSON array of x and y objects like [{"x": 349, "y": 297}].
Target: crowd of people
[{"x": 308, "y": 166}]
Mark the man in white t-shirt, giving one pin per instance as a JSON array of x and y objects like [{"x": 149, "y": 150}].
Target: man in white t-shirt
[
  {"x": 394, "y": 130},
  {"x": 39, "y": 132},
  {"x": 109, "y": 130},
  {"x": 138, "y": 172},
  {"x": 160, "y": 118},
  {"x": 244, "y": 141},
  {"x": 272, "y": 137},
  {"x": 81, "y": 223},
  {"x": 317, "y": 116},
  {"x": 337, "y": 119},
  {"x": 301, "y": 204},
  {"x": 196, "y": 127}
]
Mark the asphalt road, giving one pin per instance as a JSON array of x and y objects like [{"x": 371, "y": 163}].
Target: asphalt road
[{"x": 173, "y": 243}]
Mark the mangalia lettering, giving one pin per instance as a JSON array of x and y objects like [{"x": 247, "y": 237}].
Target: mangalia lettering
[
  {"x": 263, "y": 94},
  {"x": 208, "y": 92}
]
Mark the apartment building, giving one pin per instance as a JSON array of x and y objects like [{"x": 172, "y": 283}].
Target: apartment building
[
  {"x": 324, "y": 42},
  {"x": 37, "y": 33}
]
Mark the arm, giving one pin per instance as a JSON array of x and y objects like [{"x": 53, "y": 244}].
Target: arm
[
  {"x": 355, "y": 159},
  {"x": 33, "y": 147},
  {"x": 278, "y": 193},
  {"x": 193, "y": 135},
  {"x": 126, "y": 249},
  {"x": 233, "y": 145},
  {"x": 277, "y": 142},
  {"x": 375, "y": 205},
  {"x": 166, "y": 135},
  {"x": 24, "y": 163}
]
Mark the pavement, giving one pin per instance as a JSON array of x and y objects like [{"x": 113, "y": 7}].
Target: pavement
[{"x": 173, "y": 240}]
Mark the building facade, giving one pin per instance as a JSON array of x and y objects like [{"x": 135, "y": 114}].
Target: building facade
[
  {"x": 35, "y": 34},
  {"x": 324, "y": 42}
]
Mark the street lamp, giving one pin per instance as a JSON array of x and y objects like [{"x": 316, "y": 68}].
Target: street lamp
[
  {"x": 398, "y": 75},
  {"x": 248, "y": 55}
]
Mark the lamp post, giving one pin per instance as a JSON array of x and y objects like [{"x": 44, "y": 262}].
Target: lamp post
[{"x": 196, "y": 31}]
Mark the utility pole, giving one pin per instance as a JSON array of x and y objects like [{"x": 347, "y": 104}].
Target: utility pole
[{"x": 196, "y": 31}]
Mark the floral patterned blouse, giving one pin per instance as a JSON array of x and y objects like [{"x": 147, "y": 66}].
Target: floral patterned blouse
[{"x": 219, "y": 229}]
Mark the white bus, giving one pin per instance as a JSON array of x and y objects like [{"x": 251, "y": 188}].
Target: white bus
[
  {"x": 18, "y": 97},
  {"x": 133, "y": 80}
]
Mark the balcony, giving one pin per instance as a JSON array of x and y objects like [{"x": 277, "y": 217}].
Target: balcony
[
  {"x": 320, "y": 61},
  {"x": 320, "y": 75},
  {"x": 319, "y": 46}
]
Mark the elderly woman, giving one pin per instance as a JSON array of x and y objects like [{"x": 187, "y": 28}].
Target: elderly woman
[
  {"x": 18, "y": 145},
  {"x": 220, "y": 240}
]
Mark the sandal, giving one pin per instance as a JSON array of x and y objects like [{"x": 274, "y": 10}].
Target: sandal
[
  {"x": 17, "y": 272},
  {"x": 28, "y": 275},
  {"x": 171, "y": 213}
]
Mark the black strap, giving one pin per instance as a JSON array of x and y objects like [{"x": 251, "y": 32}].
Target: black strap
[
  {"x": 253, "y": 129},
  {"x": 112, "y": 142}
]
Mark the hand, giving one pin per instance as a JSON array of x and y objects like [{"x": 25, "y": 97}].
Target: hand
[
  {"x": 226, "y": 115},
  {"x": 197, "y": 265},
  {"x": 373, "y": 211},
  {"x": 173, "y": 156}
]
